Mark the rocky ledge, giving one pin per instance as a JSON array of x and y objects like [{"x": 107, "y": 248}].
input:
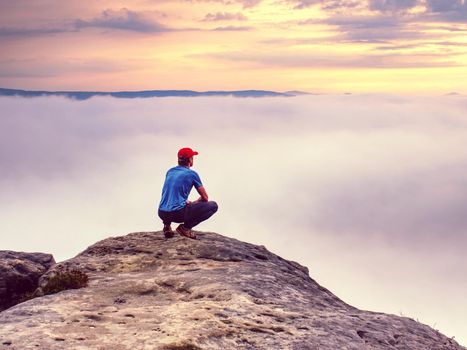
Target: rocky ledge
[
  {"x": 19, "y": 275},
  {"x": 148, "y": 292}
]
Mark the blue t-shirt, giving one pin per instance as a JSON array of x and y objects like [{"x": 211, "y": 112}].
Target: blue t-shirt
[{"x": 177, "y": 186}]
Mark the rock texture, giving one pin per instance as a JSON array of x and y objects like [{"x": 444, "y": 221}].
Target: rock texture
[
  {"x": 19, "y": 274},
  {"x": 147, "y": 292}
]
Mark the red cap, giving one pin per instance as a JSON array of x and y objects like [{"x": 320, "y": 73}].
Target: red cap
[{"x": 186, "y": 153}]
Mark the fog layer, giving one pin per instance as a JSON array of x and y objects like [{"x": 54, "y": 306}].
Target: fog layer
[{"x": 368, "y": 191}]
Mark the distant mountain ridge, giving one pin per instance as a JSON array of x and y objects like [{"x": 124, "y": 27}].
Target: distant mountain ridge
[{"x": 84, "y": 95}]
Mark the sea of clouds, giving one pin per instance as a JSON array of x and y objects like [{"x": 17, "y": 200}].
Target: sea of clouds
[{"x": 368, "y": 191}]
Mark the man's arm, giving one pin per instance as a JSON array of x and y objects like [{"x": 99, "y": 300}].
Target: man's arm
[{"x": 202, "y": 192}]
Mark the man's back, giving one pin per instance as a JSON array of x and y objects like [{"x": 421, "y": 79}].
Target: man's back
[{"x": 177, "y": 186}]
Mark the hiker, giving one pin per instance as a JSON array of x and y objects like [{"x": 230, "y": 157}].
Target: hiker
[{"x": 175, "y": 206}]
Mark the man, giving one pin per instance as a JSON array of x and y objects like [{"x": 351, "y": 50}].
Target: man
[{"x": 175, "y": 206}]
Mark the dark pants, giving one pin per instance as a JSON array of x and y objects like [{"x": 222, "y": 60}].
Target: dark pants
[{"x": 191, "y": 215}]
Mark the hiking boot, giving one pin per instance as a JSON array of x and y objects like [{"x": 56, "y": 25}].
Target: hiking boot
[
  {"x": 168, "y": 233},
  {"x": 186, "y": 232}
]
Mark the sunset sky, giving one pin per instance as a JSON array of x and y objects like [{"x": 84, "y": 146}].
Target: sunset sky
[{"x": 327, "y": 46}]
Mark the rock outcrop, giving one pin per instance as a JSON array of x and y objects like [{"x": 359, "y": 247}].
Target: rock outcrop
[
  {"x": 19, "y": 275},
  {"x": 148, "y": 292}
]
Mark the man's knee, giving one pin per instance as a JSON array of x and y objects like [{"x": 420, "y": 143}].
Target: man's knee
[{"x": 213, "y": 206}]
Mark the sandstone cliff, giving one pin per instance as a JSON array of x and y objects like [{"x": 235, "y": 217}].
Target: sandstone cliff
[
  {"x": 19, "y": 275},
  {"x": 148, "y": 292}
]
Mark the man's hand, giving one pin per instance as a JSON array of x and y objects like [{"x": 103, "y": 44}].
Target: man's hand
[{"x": 203, "y": 198}]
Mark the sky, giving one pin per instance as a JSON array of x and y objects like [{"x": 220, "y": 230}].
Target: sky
[
  {"x": 321, "y": 46},
  {"x": 368, "y": 191}
]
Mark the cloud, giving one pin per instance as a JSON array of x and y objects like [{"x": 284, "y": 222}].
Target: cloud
[
  {"x": 23, "y": 31},
  {"x": 44, "y": 67},
  {"x": 123, "y": 19},
  {"x": 244, "y": 3},
  {"x": 233, "y": 28},
  {"x": 329, "y": 5},
  {"x": 392, "y": 5},
  {"x": 370, "y": 27},
  {"x": 340, "y": 5},
  {"x": 445, "y": 5},
  {"x": 375, "y": 28},
  {"x": 346, "y": 5},
  {"x": 367, "y": 190},
  {"x": 401, "y": 185},
  {"x": 390, "y": 47},
  {"x": 301, "y": 4},
  {"x": 382, "y": 20},
  {"x": 249, "y": 3},
  {"x": 447, "y": 44},
  {"x": 441, "y": 198},
  {"x": 224, "y": 16},
  {"x": 457, "y": 14},
  {"x": 450, "y": 43},
  {"x": 312, "y": 60}
]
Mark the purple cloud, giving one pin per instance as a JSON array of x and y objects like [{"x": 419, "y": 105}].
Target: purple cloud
[
  {"x": 224, "y": 16},
  {"x": 445, "y": 5},
  {"x": 123, "y": 19},
  {"x": 233, "y": 28},
  {"x": 329, "y": 5},
  {"x": 244, "y": 3},
  {"x": 392, "y": 5}
]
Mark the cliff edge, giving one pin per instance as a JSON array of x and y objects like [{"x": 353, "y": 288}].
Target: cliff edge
[{"x": 148, "y": 292}]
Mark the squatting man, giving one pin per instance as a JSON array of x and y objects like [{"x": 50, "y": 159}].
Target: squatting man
[{"x": 175, "y": 206}]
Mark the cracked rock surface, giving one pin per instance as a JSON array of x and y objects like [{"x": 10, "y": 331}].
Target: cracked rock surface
[{"x": 148, "y": 292}]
